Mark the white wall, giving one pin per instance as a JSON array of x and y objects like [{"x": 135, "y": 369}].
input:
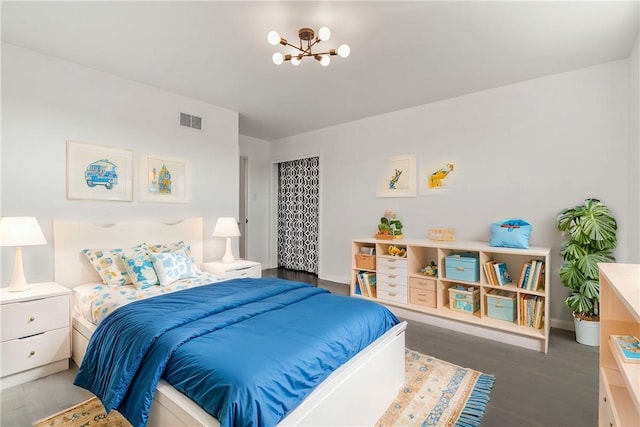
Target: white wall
[
  {"x": 634, "y": 153},
  {"x": 47, "y": 101},
  {"x": 525, "y": 150},
  {"x": 257, "y": 152}
]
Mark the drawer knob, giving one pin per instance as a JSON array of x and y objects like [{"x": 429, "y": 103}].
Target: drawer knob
[
  {"x": 604, "y": 398},
  {"x": 32, "y": 319},
  {"x": 243, "y": 274},
  {"x": 392, "y": 294},
  {"x": 32, "y": 353},
  {"x": 392, "y": 276},
  {"x": 460, "y": 268},
  {"x": 391, "y": 285}
]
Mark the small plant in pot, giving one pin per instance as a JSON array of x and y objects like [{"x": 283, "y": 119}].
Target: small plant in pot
[{"x": 591, "y": 231}]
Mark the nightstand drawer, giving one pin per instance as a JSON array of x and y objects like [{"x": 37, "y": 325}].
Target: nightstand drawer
[
  {"x": 253, "y": 271},
  {"x": 26, "y": 353},
  {"x": 21, "y": 319},
  {"x": 392, "y": 278}
]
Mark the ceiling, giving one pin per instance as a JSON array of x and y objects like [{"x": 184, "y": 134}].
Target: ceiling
[{"x": 403, "y": 54}]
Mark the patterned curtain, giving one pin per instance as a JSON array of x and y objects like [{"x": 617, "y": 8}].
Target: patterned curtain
[{"x": 298, "y": 212}]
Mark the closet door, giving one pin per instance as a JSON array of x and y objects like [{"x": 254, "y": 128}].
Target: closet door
[{"x": 298, "y": 214}]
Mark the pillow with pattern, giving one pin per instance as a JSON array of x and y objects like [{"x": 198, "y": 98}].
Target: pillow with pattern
[
  {"x": 140, "y": 269},
  {"x": 172, "y": 266},
  {"x": 170, "y": 247},
  {"x": 109, "y": 265}
]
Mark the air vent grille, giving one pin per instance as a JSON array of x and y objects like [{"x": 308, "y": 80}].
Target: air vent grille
[{"x": 190, "y": 121}]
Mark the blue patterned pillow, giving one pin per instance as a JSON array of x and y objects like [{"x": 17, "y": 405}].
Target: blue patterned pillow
[
  {"x": 172, "y": 266},
  {"x": 140, "y": 269},
  {"x": 108, "y": 263}
]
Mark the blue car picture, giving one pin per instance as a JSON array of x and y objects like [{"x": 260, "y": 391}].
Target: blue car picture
[{"x": 101, "y": 172}]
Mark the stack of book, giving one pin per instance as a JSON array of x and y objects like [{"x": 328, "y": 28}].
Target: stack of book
[
  {"x": 366, "y": 284},
  {"x": 496, "y": 273},
  {"x": 532, "y": 276},
  {"x": 531, "y": 311}
]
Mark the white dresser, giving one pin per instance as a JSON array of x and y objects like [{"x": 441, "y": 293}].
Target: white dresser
[
  {"x": 392, "y": 279},
  {"x": 240, "y": 268},
  {"x": 36, "y": 338}
]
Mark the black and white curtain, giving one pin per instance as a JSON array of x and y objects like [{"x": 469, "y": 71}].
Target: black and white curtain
[{"x": 298, "y": 214}]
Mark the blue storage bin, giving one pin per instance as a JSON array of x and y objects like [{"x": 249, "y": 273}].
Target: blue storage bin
[
  {"x": 463, "y": 266},
  {"x": 501, "y": 305}
]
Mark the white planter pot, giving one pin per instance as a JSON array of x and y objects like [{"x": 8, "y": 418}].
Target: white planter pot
[{"x": 587, "y": 332}]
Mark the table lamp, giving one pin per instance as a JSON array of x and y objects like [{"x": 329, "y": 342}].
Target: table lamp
[
  {"x": 19, "y": 232},
  {"x": 227, "y": 227}
]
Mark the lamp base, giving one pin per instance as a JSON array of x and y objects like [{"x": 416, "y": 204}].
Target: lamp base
[
  {"x": 18, "y": 282},
  {"x": 228, "y": 256},
  {"x": 18, "y": 288}
]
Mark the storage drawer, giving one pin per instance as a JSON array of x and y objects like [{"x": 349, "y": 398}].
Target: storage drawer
[
  {"x": 392, "y": 266},
  {"x": 21, "y": 319},
  {"x": 392, "y": 296},
  {"x": 605, "y": 413},
  {"x": 239, "y": 273},
  {"x": 391, "y": 286},
  {"x": 462, "y": 266},
  {"x": 393, "y": 278},
  {"x": 463, "y": 299},
  {"x": 26, "y": 353},
  {"x": 422, "y": 297},
  {"x": 501, "y": 305},
  {"x": 424, "y": 284}
]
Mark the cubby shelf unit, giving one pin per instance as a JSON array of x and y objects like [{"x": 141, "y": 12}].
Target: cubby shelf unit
[{"x": 394, "y": 287}]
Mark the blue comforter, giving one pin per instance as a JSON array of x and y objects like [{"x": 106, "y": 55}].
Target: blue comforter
[{"x": 248, "y": 351}]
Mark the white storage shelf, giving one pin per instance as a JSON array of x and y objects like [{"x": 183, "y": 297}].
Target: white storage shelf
[
  {"x": 619, "y": 315},
  {"x": 419, "y": 254}
]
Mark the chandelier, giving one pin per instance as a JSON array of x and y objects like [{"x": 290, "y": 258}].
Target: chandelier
[{"x": 308, "y": 40}]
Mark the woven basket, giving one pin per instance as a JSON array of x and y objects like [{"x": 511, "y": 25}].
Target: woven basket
[{"x": 368, "y": 262}]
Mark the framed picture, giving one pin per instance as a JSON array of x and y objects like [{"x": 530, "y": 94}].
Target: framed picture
[
  {"x": 398, "y": 177},
  {"x": 164, "y": 179},
  {"x": 436, "y": 179},
  {"x": 98, "y": 172}
]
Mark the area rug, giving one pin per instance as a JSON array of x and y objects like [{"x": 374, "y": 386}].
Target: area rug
[
  {"x": 86, "y": 414},
  {"x": 438, "y": 393}
]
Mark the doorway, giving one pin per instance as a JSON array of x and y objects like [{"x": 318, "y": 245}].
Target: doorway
[
  {"x": 298, "y": 214},
  {"x": 243, "y": 220}
]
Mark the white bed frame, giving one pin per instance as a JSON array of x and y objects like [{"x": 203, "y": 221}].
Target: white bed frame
[{"x": 356, "y": 394}]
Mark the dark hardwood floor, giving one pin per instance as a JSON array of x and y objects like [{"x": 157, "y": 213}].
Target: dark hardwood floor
[{"x": 558, "y": 389}]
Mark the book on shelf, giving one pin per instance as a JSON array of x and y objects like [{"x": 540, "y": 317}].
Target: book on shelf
[
  {"x": 522, "y": 276},
  {"x": 370, "y": 281},
  {"x": 502, "y": 275},
  {"x": 526, "y": 271},
  {"x": 628, "y": 347},
  {"x": 363, "y": 286},
  {"x": 491, "y": 273},
  {"x": 367, "y": 281}
]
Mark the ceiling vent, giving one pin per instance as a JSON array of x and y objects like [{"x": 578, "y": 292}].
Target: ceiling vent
[{"x": 190, "y": 121}]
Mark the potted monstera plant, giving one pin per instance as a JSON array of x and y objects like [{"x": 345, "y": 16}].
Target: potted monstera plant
[{"x": 590, "y": 229}]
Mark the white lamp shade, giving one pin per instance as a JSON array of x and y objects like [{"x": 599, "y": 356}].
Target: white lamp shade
[
  {"x": 226, "y": 227},
  {"x": 324, "y": 34},
  {"x": 344, "y": 51},
  {"x": 20, "y": 231}
]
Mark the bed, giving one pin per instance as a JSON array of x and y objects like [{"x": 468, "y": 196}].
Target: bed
[{"x": 342, "y": 398}]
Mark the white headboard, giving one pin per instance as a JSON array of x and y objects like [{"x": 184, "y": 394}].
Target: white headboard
[{"x": 72, "y": 268}]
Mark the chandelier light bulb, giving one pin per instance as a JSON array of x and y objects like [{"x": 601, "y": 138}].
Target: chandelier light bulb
[
  {"x": 344, "y": 50},
  {"x": 277, "y": 58},
  {"x": 325, "y": 60},
  {"x": 295, "y": 61},
  {"x": 273, "y": 38},
  {"x": 324, "y": 33}
]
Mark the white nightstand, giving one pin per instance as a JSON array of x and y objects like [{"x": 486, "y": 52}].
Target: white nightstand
[
  {"x": 36, "y": 338},
  {"x": 238, "y": 269}
]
